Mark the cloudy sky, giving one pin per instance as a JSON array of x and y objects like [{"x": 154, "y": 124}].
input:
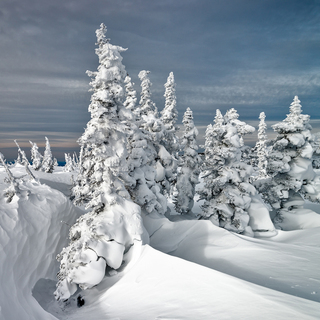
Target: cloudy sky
[{"x": 250, "y": 55}]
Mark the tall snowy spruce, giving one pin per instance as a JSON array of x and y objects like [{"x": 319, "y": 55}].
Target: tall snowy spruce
[
  {"x": 141, "y": 159},
  {"x": 290, "y": 163},
  {"x": 169, "y": 116},
  {"x": 101, "y": 237},
  {"x": 231, "y": 201},
  {"x": 150, "y": 123},
  {"x": 188, "y": 175}
]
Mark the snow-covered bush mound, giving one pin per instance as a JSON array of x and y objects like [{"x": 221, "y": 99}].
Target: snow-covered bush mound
[{"x": 33, "y": 229}]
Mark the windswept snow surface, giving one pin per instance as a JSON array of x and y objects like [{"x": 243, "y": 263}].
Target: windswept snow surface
[{"x": 203, "y": 272}]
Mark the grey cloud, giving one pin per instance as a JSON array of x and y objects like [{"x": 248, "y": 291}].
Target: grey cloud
[{"x": 250, "y": 55}]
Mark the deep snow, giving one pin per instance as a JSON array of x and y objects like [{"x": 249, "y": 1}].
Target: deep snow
[{"x": 191, "y": 269}]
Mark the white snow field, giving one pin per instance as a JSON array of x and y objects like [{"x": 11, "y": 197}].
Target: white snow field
[{"x": 190, "y": 270}]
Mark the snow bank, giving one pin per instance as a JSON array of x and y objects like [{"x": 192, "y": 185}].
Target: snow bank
[{"x": 32, "y": 232}]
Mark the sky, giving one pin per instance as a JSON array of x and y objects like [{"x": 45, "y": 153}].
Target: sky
[{"x": 249, "y": 55}]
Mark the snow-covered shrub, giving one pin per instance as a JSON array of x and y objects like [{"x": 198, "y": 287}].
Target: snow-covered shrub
[
  {"x": 188, "y": 175},
  {"x": 227, "y": 190},
  {"x": 102, "y": 236}
]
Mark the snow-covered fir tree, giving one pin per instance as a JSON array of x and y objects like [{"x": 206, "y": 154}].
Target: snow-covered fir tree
[
  {"x": 143, "y": 188},
  {"x": 261, "y": 147},
  {"x": 102, "y": 236},
  {"x": 36, "y": 156},
  {"x": 188, "y": 175},
  {"x": 146, "y": 105},
  {"x": 169, "y": 116},
  {"x": 290, "y": 161},
  {"x": 150, "y": 123},
  {"x": 144, "y": 191},
  {"x": 69, "y": 165},
  {"x": 229, "y": 196},
  {"x": 47, "y": 161},
  {"x": 131, "y": 95}
]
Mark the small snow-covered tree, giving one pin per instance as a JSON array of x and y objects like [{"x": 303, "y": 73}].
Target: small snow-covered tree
[
  {"x": 25, "y": 161},
  {"x": 261, "y": 147},
  {"x": 229, "y": 196},
  {"x": 47, "y": 161},
  {"x": 188, "y": 176},
  {"x": 146, "y": 105},
  {"x": 131, "y": 95},
  {"x": 169, "y": 117},
  {"x": 113, "y": 224},
  {"x": 36, "y": 156},
  {"x": 290, "y": 160},
  {"x": 69, "y": 165}
]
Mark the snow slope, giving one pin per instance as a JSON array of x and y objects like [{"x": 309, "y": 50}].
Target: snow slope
[
  {"x": 288, "y": 262},
  {"x": 32, "y": 232},
  {"x": 160, "y": 286},
  {"x": 203, "y": 272}
]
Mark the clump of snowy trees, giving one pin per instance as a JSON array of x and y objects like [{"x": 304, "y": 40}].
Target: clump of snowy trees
[{"x": 135, "y": 162}]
